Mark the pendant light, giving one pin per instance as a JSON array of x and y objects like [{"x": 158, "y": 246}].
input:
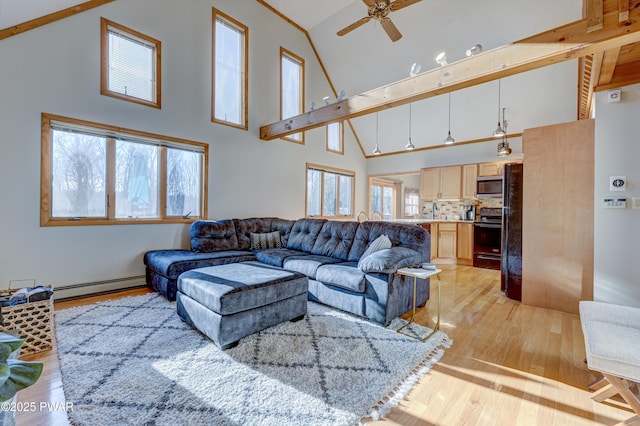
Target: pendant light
[
  {"x": 449, "y": 139},
  {"x": 376, "y": 150},
  {"x": 503, "y": 147},
  {"x": 499, "y": 131},
  {"x": 409, "y": 146}
]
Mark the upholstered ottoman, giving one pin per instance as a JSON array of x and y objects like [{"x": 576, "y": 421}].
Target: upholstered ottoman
[{"x": 229, "y": 302}]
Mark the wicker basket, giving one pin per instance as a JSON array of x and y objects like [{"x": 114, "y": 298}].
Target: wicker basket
[{"x": 33, "y": 321}]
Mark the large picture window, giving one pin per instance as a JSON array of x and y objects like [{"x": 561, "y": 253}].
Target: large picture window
[
  {"x": 230, "y": 62},
  {"x": 130, "y": 67},
  {"x": 330, "y": 192},
  {"x": 96, "y": 174},
  {"x": 291, "y": 89}
]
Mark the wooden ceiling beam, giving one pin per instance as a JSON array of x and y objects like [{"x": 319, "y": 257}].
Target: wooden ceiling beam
[
  {"x": 623, "y": 10},
  {"x": 561, "y": 44},
  {"x": 626, "y": 74},
  {"x": 595, "y": 13},
  {"x": 609, "y": 61}
]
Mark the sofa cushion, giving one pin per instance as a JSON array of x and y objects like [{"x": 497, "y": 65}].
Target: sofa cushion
[
  {"x": 382, "y": 242},
  {"x": 345, "y": 275},
  {"x": 308, "y": 264},
  {"x": 335, "y": 239},
  {"x": 284, "y": 226},
  {"x": 304, "y": 233},
  {"x": 265, "y": 240},
  {"x": 401, "y": 234},
  {"x": 276, "y": 257},
  {"x": 244, "y": 228},
  {"x": 227, "y": 289},
  {"x": 210, "y": 236},
  {"x": 389, "y": 260},
  {"x": 171, "y": 263}
]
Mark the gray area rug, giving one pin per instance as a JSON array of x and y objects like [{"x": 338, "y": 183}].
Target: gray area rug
[{"x": 133, "y": 361}]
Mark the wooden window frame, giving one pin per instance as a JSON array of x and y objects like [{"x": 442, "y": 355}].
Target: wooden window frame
[
  {"x": 104, "y": 63},
  {"x": 339, "y": 172},
  {"x": 377, "y": 182},
  {"x": 245, "y": 77},
  {"x": 340, "y": 136},
  {"x": 111, "y": 133},
  {"x": 284, "y": 52}
]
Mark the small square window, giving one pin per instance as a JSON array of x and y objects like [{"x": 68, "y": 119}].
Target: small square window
[{"x": 130, "y": 65}]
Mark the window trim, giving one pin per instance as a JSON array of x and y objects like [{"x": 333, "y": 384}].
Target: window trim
[
  {"x": 112, "y": 131},
  {"x": 104, "y": 63},
  {"x": 291, "y": 55},
  {"x": 324, "y": 169},
  {"x": 377, "y": 182},
  {"x": 341, "y": 138},
  {"x": 245, "y": 76}
]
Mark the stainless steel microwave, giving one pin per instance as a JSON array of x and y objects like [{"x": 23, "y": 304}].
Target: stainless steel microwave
[{"x": 489, "y": 187}]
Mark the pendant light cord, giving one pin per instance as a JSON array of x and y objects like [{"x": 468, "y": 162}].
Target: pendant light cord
[
  {"x": 409, "y": 122},
  {"x": 449, "y": 112},
  {"x": 499, "y": 102}
]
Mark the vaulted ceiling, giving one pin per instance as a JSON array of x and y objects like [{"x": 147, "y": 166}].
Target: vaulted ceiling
[{"x": 366, "y": 58}]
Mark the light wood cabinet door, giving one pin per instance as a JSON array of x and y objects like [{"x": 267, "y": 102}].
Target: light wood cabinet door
[
  {"x": 465, "y": 244},
  {"x": 469, "y": 179},
  {"x": 447, "y": 241},
  {"x": 434, "y": 241},
  {"x": 490, "y": 169},
  {"x": 450, "y": 178},
  {"x": 430, "y": 183}
]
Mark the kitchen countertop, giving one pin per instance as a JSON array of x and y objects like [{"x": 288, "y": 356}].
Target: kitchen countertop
[{"x": 424, "y": 220}]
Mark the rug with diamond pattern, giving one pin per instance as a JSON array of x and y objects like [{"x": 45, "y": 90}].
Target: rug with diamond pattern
[{"x": 133, "y": 361}]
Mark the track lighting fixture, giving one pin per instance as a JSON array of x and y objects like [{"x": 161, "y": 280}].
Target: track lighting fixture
[
  {"x": 415, "y": 69},
  {"x": 441, "y": 59},
  {"x": 474, "y": 50}
]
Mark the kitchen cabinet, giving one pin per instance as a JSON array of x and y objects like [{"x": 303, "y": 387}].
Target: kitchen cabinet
[
  {"x": 447, "y": 241},
  {"x": 464, "y": 244},
  {"x": 432, "y": 228},
  {"x": 469, "y": 178},
  {"x": 495, "y": 168},
  {"x": 439, "y": 183}
]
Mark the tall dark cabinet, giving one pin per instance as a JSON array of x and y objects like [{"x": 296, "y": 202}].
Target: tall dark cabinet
[{"x": 511, "y": 263}]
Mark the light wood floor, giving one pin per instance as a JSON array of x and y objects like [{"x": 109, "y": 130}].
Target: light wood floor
[{"x": 509, "y": 365}]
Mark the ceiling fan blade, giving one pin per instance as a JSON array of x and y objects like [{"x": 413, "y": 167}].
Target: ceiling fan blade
[
  {"x": 399, "y": 4},
  {"x": 369, "y": 2},
  {"x": 392, "y": 31},
  {"x": 353, "y": 26}
]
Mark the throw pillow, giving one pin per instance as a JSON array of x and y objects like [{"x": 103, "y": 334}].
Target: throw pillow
[
  {"x": 389, "y": 260},
  {"x": 265, "y": 240},
  {"x": 382, "y": 242}
]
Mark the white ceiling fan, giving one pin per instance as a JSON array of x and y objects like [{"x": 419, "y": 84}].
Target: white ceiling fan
[{"x": 379, "y": 10}]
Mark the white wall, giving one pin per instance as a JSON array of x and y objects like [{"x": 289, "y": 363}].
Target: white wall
[
  {"x": 617, "y": 231},
  {"x": 56, "y": 69}
]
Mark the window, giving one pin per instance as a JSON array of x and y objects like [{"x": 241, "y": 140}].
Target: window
[
  {"x": 130, "y": 65},
  {"x": 330, "y": 192},
  {"x": 335, "y": 137},
  {"x": 411, "y": 201},
  {"x": 94, "y": 174},
  {"x": 230, "y": 62},
  {"x": 382, "y": 199},
  {"x": 291, "y": 89}
]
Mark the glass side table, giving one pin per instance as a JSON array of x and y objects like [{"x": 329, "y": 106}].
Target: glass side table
[{"x": 422, "y": 274}]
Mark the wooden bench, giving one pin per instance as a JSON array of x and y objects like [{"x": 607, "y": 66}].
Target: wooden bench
[{"x": 612, "y": 343}]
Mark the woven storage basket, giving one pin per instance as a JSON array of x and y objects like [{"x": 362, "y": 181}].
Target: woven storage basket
[{"x": 33, "y": 321}]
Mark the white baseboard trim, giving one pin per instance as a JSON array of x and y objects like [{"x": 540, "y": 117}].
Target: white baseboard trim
[{"x": 98, "y": 287}]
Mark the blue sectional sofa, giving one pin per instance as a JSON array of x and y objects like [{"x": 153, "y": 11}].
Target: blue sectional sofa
[{"x": 328, "y": 252}]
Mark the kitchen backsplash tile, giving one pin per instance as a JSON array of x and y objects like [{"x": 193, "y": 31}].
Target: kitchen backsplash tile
[{"x": 453, "y": 208}]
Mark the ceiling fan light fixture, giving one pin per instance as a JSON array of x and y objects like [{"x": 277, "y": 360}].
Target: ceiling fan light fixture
[
  {"x": 415, "y": 69},
  {"x": 474, "y": 50},
  {"x": 441, "y": 59}
]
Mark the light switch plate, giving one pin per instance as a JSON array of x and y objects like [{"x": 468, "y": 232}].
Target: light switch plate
[
  {"x": 614, "y": 203},
  {"x": 617, "y": 183}
]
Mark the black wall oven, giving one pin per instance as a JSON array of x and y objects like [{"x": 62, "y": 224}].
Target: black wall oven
[{"x": 487, "y": 238}]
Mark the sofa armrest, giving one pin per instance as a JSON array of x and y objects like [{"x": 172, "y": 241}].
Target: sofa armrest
[{"x": 389, "y": 260}]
